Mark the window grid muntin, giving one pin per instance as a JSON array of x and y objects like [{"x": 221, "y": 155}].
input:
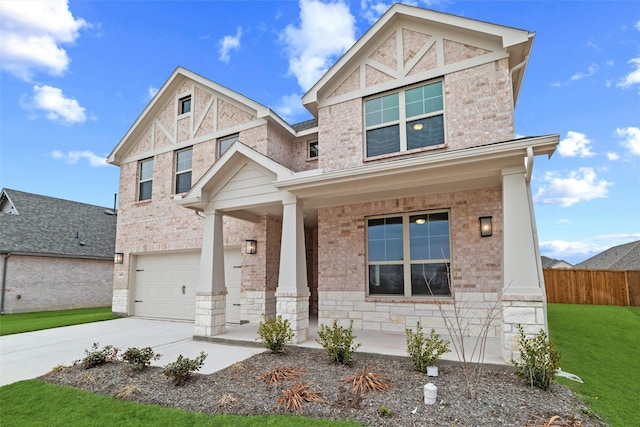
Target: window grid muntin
[
  {"x": 407, "y": 263},
  {"x": 403, "y": 120}
]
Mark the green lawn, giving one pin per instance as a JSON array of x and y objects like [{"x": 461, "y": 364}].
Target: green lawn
[
  {"x": 36, "y": 403},
  {"x": 27, "y": 322},
  {"x": 601, "y": 344}
]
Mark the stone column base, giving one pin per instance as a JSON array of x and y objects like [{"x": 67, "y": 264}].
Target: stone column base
[
  {"x": 295, "y": 309},
  {"x": 525, "y": 310},
  {"x": 210, "y": 314},
  {"x": 120, "y": 301},
  {"x": 255, "y": 304}
]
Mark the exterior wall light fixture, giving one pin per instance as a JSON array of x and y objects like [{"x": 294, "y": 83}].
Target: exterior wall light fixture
[
  {"x": 250, "y": 247},
  {"x": 118, "y": 258},
  {"x": 486, "y": 228}
]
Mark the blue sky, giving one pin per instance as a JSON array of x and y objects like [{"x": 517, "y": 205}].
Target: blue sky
[{"x": 75, "y": 76}]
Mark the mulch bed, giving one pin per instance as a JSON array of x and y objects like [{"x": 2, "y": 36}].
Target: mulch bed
[{"x": 502, "y": 398}]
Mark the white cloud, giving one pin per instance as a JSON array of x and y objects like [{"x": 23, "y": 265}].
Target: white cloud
[
  {"x": 578, "y": 186},
  {"x": 229, "y": 43},
  {"x": 31, "y": 34},
  {"x": 613, "y": 156},
  {"x": 637, "y": 26},
  {"x": 72, "y": 157},
  {"x": 151, "y": 92},
  {"x": 631, "y": 137},
  {"x": 575, "y": 144},
  {"x": 633, "y": 78},
  {"x": 591, "y": 70},
  {"x": 578, "y": 251},
  {"x": 326, "y": 31},
  {"x": 290, "y": 107},
  {"x": 55, "y": 105}
]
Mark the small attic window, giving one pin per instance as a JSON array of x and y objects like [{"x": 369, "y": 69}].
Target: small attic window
[
  {"x": 312, "y": 152},
  {"x": 184, "y": 105}
]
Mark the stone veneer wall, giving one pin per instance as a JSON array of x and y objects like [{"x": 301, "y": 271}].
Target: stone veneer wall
[
  {"x": 50, "y": 283},
  {"x": 476, "y": 262}
]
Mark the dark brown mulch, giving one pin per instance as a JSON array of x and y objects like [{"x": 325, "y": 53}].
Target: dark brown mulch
[{"x": 503, "y": 399}]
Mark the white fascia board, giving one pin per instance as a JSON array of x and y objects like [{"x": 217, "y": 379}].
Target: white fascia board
[{"x": 508, "y": 150}]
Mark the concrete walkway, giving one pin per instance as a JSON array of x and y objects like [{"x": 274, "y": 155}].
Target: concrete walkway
[{"x": 32, "y": 354}]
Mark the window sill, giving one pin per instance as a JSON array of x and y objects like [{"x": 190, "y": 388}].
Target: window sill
[
  {"x": 406, "y": 153},
  {"x": 142, "y": 202},
  {"x": 312, "y": 159},
  {"x": 408, "y": 300}
]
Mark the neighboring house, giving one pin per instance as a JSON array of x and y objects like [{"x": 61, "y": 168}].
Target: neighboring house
[
  {"x": 554, "y": 263},
  {"x": 56, "y": 254},
  {"x": 369, "y": 212},
  {"x": 621, "y": 257}
]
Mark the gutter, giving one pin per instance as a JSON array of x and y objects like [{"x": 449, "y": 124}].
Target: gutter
[{"x": 4, "y": 282}]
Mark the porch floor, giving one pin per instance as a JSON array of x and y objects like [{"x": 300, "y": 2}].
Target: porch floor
[{"x": 374, "y": 343}]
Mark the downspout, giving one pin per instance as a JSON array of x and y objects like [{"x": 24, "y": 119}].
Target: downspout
[
  {"x": 4, "y": 282},
  {"x": 536, "y": 244}
]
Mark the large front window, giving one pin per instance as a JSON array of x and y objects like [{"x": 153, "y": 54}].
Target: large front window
[
  {"x": 409, "y": 255},
  {"x": 405, "y": 120}
]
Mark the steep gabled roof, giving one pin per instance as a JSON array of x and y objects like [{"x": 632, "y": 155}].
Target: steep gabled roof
[
  {"x": 621, "y": 257},
  {"x": 516, "y": 42},
  {"x": 164, "y": 95},
  {"x": 41, "y": 225}
]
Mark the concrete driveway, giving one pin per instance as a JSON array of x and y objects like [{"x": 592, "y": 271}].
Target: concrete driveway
[{"x": 32, "y": 354}]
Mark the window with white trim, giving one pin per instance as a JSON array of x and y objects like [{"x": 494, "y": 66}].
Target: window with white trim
[
  {"x": 145, "y": 179},
  {"x": 226, "y": 142},
  {"x": 183, "y": 170},
  {"x": 405, "y": 120},
  {"x": 409, "y": 254},
  {"x": 312, "y": 152},
  {"x": 184, "y": 105}
]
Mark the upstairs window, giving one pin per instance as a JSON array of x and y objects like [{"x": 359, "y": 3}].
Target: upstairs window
[
  {"x": 184, "y": 105},
  {"x": 409, "y": 254},
  {"x": 183, "y": 170},
  {"x": 312, "y": 152},
  {"x": 226, "y": 142},
  {"x": 405, "y": 120},
  {"x": 145, "y": 179}
]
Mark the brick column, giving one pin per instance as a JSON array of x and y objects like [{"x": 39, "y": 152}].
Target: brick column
[
  {"x": 524, "y": 298},
  {"x": 210, "y": 316},
  {"x": 292, "y": 294}
]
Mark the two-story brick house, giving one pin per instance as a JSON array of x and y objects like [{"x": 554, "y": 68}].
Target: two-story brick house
[{"x": 409, "y": 182}]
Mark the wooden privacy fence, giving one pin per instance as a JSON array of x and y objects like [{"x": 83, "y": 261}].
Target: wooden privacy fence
[{"x": 598, "y": 287}]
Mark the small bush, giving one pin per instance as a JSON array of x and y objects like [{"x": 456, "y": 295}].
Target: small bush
[
  {"x": 425, "y": 351},
  {"x": 96, "y": 357},
  {"x": 367, "y": 381},
  {"x": 182, "y": 368},
  {"x": 338, "y": 342},
  {"x": 275, "y": 333},
  {"x": 299, "y": 394},
  {"x": 384, "y": 412},
  {"x": 139, "y": 358},
  {"x": 539, "y": 360}
]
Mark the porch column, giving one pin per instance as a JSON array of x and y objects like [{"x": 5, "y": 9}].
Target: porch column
[
  {"x": 292, "y": 294},
  {"x": 524, "y": 298},
  {"x": 211, "y": 293}
]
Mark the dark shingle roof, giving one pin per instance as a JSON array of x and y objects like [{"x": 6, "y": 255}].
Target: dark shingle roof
[
  {"x": 621, "y": 257},
  {"x": 309, "y": 124},
  {"x": 49, "y": 226}
]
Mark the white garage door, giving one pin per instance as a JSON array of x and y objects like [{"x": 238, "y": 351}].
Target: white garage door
[{"x": 165, "y": 285}]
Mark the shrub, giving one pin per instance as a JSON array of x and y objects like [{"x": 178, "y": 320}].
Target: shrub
[
  {"x": 139, "y": 358},
  {"x": 96, "y": 357},
  {"x": 294, "y": 397},
  {"x": 424, "y": 351},
  {"x": 367, "y": 381},
  {"x": 539, "y": 360},
  {"x": 275, "y": 333},
  {"x": 338, "y": 342},
  {"x": 182, "y": 368},
  {"x": 384, "y": 412}
]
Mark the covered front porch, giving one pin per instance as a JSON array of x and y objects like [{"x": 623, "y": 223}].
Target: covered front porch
[{"x": 375, "y": 344}]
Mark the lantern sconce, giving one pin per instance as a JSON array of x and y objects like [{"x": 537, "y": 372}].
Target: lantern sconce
[
  {"x": 251, "y": 247},
  {"x": 486, "y": 228},
  {"x": 118, "y": 258}
]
